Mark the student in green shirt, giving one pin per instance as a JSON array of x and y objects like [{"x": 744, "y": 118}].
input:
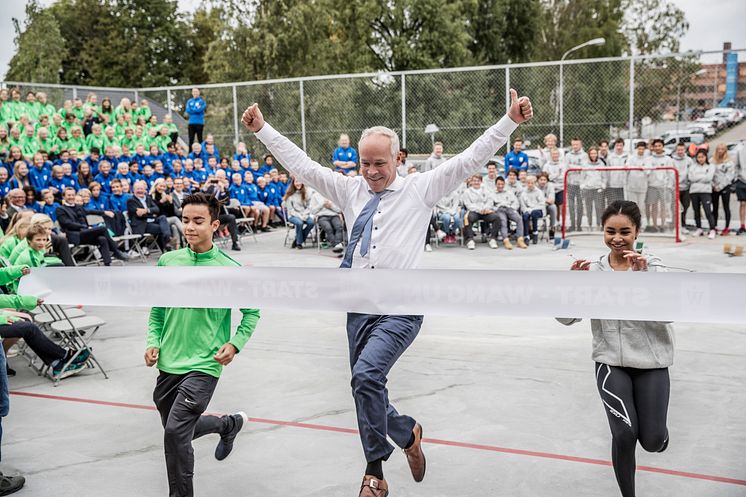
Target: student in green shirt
[
  {"x": 190, "y": 346},
  {"x": 44, "y": 106}
]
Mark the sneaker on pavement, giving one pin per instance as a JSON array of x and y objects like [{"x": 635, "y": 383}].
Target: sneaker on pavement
[
  {"x": 725, "y": 232},
  {"x": 698, "y": 232},
  {"x": 712, "y": 234},
  {"x": 471, "y": 245},
  {"x": 11, "y": 484},
  {"x": 507, "y": 244},
  {"x": 428, "y": 248},
  {"x": 741, "y": 231},
  {"x": 492, "y": 243},
  {"x": 441, "y": 235},
  {"x": 338, "y": 248},
  {"x": 82, "y": 357},
  {"x": 72, "y": 369},
  {"x": 225, "y": 446}
]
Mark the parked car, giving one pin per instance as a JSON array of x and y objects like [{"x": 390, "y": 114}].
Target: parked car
[{"x": 706, "y": 128}]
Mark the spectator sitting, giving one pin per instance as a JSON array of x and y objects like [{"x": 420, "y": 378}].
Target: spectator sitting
[
  {"x": 297, "y": 203},
  {"x": 435, "y": 159},
  {"x": 480, "y": 207},
  {"x": 50, "y": 205},
  {"x": 31, "y": 202},
  {"x": 532, "y": 206},
  {"x": 555, "y": 170},
  {"x": 543, "y": 184},
  {"x": 21, "y": 176},
  {"x": 262, "y": 211},
  {"x": 85, "y": 177},
  {"x": 412, "y": 170},
  {"x": 118, "y": 199},
  {"x": 166, "y": 205},
  {"x": 516, "y": 158},
  {"x": 507, "y": 205},
  {"x": 145, "y": 216},
  {"x": 40, "y": 173},
  {"x": 16, "y": 232},
  {"x": 33, "y": 256},
  {"x": 329, "y": 218},
  {"x": 5, "y": 182},
  {"x": 41, "y": 220},
  {"x": 513, "y": 184},
  {"x": 72, "y": 219},
  {"x": 99, "y": 201},
  {"x": 344, "y": 157},
  {"x": 177, "y": 194},
  {"x": 14, "y": 327},
  {"x": 104, "y": 176},
  {"x": 448, "y": 211},
  {"x": 242, "y": 153}
]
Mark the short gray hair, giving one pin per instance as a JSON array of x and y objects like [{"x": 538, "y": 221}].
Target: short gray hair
[{"x": 383, "y": 131}]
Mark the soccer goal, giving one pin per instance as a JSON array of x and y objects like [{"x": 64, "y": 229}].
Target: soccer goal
[{"x": 588, "y": 191}]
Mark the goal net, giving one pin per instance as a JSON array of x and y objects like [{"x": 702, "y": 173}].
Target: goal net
[{"x": 588, "y": 191}]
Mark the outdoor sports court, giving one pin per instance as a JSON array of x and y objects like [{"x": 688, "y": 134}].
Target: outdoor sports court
[{"x": 509, "y": 406}]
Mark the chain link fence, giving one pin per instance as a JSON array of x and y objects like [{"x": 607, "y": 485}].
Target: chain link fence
[{"x": 592, "y": 99}]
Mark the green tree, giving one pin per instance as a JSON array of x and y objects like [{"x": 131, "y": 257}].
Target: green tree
[
  {"x": 654, "y": 26},
  {"x": 40, "y": 48}
]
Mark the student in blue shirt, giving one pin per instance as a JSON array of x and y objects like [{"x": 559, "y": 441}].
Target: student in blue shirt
[
  {"x": 50, "y": 206},
  {"x": 31, "y": 202},
  {"x": 104, "y": 176},
  {"x": 200, "y": 174},
  {"x": 148, "y": 175},
  {"x": 39, "y": 173},
  {"x": 195, "y": 108},
  {"x": 117, "y": 199},
  {"x": 260, "y": 210},
  {"x": 5, "y": 182},
  {"x": 269, "y": 163},
  {"x": 94, "y": 157},
  {"x": 141, "y": 157},
  {"x": 99, "y": 200},
  {"x": 516, "y": 159},
  {"x": 242, "y": 153},
  {"x": 274, "y": 180},
  {"x": 69, "y": 179},
  {"x": 210, "y": 140},
  {"x": 208, "y": 152},
  {"x": 237, "y": 189},
  {"x": 344, "y": 156}
]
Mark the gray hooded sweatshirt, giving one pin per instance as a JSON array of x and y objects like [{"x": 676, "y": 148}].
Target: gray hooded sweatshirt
[{"x": 630, "y": 344}]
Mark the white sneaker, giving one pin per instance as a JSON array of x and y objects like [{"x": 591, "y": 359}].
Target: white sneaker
[
  {"x": 441, "y": 234},
  {"x": 471, "y": 245},
  {"x": 698, "y": 232},
  {"x": 493, "y": 243},
  {"x": 684, "y": 231},
  {"x": 712, "y": 234},
  {"x": 428, "y": 248}
]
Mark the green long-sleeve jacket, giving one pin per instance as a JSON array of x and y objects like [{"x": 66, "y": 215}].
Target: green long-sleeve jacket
[
  {"x": 8, "y": 275},
  {"x": 188, "y": 338}
]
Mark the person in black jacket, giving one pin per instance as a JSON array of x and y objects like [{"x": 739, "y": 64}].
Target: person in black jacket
[
  {"x": 72, "y": 220},
  {"x": 217, "y": 187},
  {"x": 145, "y": 216}
]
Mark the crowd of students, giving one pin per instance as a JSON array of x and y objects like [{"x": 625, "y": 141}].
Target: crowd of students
[{"x": 524, "y": 192}]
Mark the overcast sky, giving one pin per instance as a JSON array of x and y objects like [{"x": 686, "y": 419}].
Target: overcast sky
[{"x": 709, "y": 25}]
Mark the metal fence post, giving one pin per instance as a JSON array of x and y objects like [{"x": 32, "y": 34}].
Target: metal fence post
[
  {"x": 631, "y": 100},
  {"x": 235, "y": 116},
  {"x": 75, "y": 92},
  {"x": 302, "y": 114},
  {"x": 507, "y": 98},
  {"x": 561, "y": 106},
  {"x": 137, "y": 96},
  {"x": 403, "y": 111},
  {"x": 168, "y": 101}
]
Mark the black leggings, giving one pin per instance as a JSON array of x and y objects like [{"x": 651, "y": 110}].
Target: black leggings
[
  {"x": 703, "y": 200},
  {"x": 685, "y": 202},
  {"x": 723, "y": 195},
  {"x": 636, "y": 403},
  {"x": 46, "y": 349}
]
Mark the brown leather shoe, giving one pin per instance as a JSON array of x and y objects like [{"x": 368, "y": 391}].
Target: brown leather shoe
[
  {"x": 415, "y": 456},
  {"x": 373, "y": 487}
]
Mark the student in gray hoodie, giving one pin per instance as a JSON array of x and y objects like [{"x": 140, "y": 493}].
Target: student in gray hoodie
[
  {"x": 725, "y": 176},
  {"x": 632, "y": 357},
  {"x": 683, "y": 162},
  {"x": 592, "y": 186},
  {"x": 481, "y": 207},
  {"x": 532, "y": 206},
  {"x": 700, "y": 191}
]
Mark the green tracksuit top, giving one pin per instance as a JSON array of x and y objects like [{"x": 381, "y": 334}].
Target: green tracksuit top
[{"x": 188, "y": 338}]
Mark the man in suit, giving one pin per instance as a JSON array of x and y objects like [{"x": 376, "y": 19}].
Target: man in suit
[
  {"x": 145, "y": 216},
  {"x": 72, "y": 220}
]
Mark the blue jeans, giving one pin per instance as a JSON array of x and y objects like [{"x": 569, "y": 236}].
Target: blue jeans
[
  {"x": 4, "y": 395},
  {"x": 534, "y": 217},
  {"x": 376, "y": 343},
  {"x": 445, "y": 222},
  {"x": 301, "y": 232}
]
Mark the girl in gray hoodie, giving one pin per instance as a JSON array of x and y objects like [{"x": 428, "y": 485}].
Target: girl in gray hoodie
[{"x": 632, "y": 357}]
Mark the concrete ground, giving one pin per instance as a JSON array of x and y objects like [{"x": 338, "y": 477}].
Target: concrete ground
[{"x": 509, "y": 405}]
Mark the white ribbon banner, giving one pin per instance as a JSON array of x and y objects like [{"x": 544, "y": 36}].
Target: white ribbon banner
[{"x": 651, "y": 296}]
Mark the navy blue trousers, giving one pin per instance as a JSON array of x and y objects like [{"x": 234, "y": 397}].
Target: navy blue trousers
[{"x": 376, "y": 343}]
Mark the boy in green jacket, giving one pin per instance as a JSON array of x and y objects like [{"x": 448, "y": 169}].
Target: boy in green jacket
[{"x": 190, "y": 347}]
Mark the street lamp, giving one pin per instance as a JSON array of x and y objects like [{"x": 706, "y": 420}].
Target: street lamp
[
  {"x": 589, "y": 43},
  {"x": 431, "y": 129},
  {"x": 678, "y": 96}
]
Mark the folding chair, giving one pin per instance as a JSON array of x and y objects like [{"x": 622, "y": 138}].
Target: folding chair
[
  {"x": 77, "y": 333},
  {"x": 243, "y": 223}
]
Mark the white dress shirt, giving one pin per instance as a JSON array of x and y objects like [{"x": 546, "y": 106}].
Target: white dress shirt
[{"x": 401, "y": 220}]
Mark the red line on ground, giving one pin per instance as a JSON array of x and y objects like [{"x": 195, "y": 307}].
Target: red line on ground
[{"x": 433, "y": 441}]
